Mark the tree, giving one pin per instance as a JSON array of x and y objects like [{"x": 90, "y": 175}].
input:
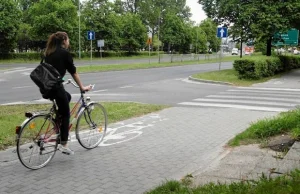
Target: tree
[
  {"x": 154, "y": 12},
  {"x": 134, "y": 33},
  {"x": 131, "y": 6},
  {"x": 49, "y": 16},
  {"x": 9, "y": 25},
  {"x": 199, "y": 40},
  {"x": 253, "y": 19},
  {"x": 113, "y": 28},
  {"x": 273, "y": 17},
  {"x": 209, "y": 28},
  {"x": 173, "y": 32}
]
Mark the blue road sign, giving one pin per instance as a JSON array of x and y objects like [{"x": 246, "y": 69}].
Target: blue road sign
[
  {"x": 91, "y": 35},
  {"x": 222, "y": 32}
]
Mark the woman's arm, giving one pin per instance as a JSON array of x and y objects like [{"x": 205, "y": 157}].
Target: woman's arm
[{"x": 77, "y": 80}]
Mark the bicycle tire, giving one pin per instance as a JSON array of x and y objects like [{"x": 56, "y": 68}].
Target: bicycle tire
[
  {"x": 37, "y": 137},
  {"x": 91, "y": 123}
]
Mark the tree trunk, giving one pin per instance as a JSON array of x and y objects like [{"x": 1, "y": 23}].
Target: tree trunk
[
  {"x": 269, "y": 46},
  {"x": 241, "y": 49}
]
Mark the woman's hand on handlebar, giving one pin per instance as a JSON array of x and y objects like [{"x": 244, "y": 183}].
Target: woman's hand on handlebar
[{"x": 86, "y": 88}]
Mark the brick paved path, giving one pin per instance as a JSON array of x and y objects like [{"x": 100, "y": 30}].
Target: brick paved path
[{"x": 168, "y": 145}]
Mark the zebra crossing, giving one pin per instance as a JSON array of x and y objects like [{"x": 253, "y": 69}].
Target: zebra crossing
[{"x": 251, "y": 98}]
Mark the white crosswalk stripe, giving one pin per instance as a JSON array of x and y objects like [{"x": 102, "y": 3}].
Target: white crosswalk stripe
[{"x": 260, "y": 99}]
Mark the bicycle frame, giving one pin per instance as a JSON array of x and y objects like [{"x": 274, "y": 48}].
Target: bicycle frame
[{"x": 81, "y": 103}]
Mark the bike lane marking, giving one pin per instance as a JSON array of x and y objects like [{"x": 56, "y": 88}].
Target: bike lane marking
[{"x": 122, "y": 132}]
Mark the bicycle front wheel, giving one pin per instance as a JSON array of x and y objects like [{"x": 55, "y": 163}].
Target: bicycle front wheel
[
  {"x": 91, "y": 126},
  {"x": 37, "y": 142}
]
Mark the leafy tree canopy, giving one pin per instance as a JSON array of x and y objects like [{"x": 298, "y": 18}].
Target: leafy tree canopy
[{"x": 9, "y": 25}]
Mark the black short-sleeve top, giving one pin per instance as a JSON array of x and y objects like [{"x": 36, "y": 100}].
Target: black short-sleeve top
[{"x": 62, "y": 60}]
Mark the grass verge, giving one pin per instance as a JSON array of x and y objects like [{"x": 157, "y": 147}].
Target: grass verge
[
  {"x": 13, "y": 61},
  {"x": 231, "y": 76},
  {"x": 260, "y": 131},
  {"x": 287, "y": 184},
  {"x": 101, "y": 68},
  {"x": 13, "y": 115}
]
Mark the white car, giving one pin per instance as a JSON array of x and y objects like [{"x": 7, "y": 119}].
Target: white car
[
  {"x": 234, "y": 51},
  {"x": 247, "y": 53},
  {"x": 296, "y": 52}
]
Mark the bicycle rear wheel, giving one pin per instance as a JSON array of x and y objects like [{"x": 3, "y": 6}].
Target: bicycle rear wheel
[
  {"x": 91, "y": 126},
  {"x": 37, "y": 142}
]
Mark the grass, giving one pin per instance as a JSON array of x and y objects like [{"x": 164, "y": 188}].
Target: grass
[
  {"x": 13, "y": 115},
  {"x": 12, "y": 61},
  {"x": 287, "y": 184},
  {"x": 101, "y": 68},
  {"x": 230, "y": 76},
  {"x": 260, "y": 131}
]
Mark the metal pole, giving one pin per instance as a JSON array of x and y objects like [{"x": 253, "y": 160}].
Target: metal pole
[
  {"x": 158, "y": 37},
  {"x": 220, "y": 57},
  {"x": 149, "y": 53},
  {"x": 197, "y": 45},
  {"x": 79, "y": 49},
  {"x": 91, "y": 50}
]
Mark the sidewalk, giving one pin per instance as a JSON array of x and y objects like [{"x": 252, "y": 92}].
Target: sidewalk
[{"x": 168, "y": 145}]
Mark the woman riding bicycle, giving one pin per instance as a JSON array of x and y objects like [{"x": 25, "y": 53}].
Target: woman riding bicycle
[{"x": 60, "y": 58}]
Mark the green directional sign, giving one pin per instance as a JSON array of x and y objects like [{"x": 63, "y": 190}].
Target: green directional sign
[{"x": 290, "y": 38}]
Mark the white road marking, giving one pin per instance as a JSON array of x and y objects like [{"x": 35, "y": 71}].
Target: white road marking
[
  {"x": 259, "y": 108},
  {"x": 18, "y": 70},
  {"x": 255, "y": 98},
  {"x": 13, "y": 103},
  {"x": 26, "y": 73},
  {"x": 287, "y": 95},
  {"x": 98, "y": 91},
  {"x": 180, "y": 79},
  {"x": 126, "y": 87},
  {"x": 20, "y": 87},
  {"x": 109, "y": 94},
  {"x": 264, "y": 92},
  {"x": 272, "y": 89},
  {"x": 200, "y": 83},
  {"x": 248, "y": 102}
]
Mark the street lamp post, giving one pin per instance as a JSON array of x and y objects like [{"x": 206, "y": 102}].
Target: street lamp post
[{"x": 79, "y": 49}]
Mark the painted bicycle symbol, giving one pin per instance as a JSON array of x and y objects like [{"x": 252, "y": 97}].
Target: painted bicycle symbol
[{"x": 127, "y": 132}]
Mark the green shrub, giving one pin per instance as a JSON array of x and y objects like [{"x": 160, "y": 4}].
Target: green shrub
[
  {"x": 289, "y": 62},
  {"x": 23, "y": 56},
  {"x": 246, "y": 69},
  {"x": 259, "y": 67}
]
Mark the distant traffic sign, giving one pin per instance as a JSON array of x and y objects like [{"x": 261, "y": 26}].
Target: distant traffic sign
[
  {"x": 289, "y": 38},
  {"x": 222, "y": 32},
  {"x": 100, "y": 43},
  {"x": 149, "y": 41},
  {"x": 91, "y": 35}
]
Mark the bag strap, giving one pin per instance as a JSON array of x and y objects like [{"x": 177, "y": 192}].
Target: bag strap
[{"x": 43, "y": 58}]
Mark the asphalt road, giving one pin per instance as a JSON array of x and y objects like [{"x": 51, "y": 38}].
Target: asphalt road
[{"x": 158, "y": 85}]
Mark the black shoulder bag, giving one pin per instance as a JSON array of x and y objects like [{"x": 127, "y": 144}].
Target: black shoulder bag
[{"x": 47, "y": 78}]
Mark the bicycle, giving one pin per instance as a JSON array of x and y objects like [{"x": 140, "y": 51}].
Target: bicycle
[{"x": 39, "y": 135}]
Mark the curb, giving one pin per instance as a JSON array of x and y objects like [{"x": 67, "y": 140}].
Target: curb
[{"x": 209, "y": 81}]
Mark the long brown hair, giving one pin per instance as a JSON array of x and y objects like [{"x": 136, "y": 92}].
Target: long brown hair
[{"x": 55, "y": 40}]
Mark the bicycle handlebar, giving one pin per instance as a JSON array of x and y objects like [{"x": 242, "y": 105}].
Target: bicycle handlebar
[{"x": 70, "y": 81}]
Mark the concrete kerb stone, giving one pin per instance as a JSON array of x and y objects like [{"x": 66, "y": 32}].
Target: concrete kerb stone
[
  {"x": 209, "y": 81},
  {"x": 234, "y": 166}
]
